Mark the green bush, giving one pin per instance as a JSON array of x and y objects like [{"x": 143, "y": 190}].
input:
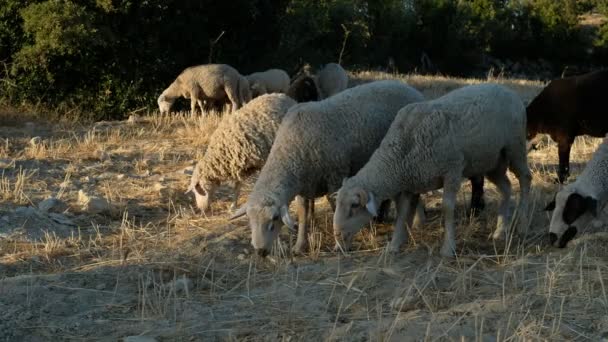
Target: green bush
[{"x": 112, "y": 56}]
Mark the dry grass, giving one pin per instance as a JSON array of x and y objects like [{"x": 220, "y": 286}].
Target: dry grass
[{"x": 154, "y": 266}]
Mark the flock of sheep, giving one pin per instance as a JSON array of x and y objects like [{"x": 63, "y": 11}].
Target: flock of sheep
[{"x": 381, "y": 142}]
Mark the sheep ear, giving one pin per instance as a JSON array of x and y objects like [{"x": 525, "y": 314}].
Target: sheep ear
[
  {"x": 371, "y": 206},
  {"x": 286, "y": 218},
  {"x": 591, "y": 205},
  {"x": 239, "y": 213}
]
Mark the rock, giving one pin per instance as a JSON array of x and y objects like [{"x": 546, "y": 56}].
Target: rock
[
  {"x": 135, "y": 118},
  {"x": 53, "y": 205},
  {"x": 93, "y": 204},
  {"x": 25, "y": 211},
  {"x": 61, "y": 219},
  {"x": 241, "y": 257},
  {"x": 139, "y": 339},
  {"x": 188, "y": 170},
  {"x": 121, "y": 176},
  {"x": 35, "y": 141}
]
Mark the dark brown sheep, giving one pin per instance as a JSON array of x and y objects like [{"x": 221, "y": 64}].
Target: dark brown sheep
[
  {"x": 567, "y": 108},
  {"x": 304, "y": 89}
]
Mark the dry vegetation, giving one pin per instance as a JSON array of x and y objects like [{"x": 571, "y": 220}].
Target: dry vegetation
[{"x": 153, "y": 266}]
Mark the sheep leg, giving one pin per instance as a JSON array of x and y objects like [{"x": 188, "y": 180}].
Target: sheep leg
[
  {"x": 302, "y": 209},
  {"x": 192, "y": 106},
  {"x": 519, "y": 166},
  {"x": 563, "y": 150},
  {"x": 499, "y": 177},
  {"x": 477, "y": 202},
  {"x": 237, "y": 192},
  {"x": 332, "y": 201},
  {"x": 385, "y": 206},
  {"x": 451, "y": 185},
  {"x": 406, "y": 204}
]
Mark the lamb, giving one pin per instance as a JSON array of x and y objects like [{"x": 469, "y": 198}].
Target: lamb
[
  {"x": 332, "y": 79},
  {"x": 472, "y": 131},
  {"x": 578, "y": 203},
  {"x": 209, "y": 82},
  {"x": 238, "y": 147},
  {"x": 269, "y": 81},
  {"x": 567, "y": 108},
  {"x": 304, "y": 89}
]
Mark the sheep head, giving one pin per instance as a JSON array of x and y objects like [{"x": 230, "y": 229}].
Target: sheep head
[
  {"x": 571, "y": 212},
  {"x": 165, "y": 103},
  {"x": 265, "y": 221},
  {"x": 355, "y": 207}
]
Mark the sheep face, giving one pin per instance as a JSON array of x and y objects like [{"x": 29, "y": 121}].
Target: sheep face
[
  {"x": 265, "y": 222},
  {"x": 164, "y": 104},
  {"x": 256, "y": 90},
  {"x": 355, "y": 207},
  {"x": 571, "y": 212}
]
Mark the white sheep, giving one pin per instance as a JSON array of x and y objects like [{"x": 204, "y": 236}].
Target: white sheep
[
  {"x": 318, "y": 144},
  {"x": 209, "y": 82},
  {"x": 331, "y": 80},
  {"x": 238, "y": 147},
  {"x": 269, "y": 81},
  {"x": 472, "y": 131},
  {"x": 578, "y": 203}
]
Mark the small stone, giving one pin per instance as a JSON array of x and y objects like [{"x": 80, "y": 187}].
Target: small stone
[
  {"x": 35, "y": 141},
  {"x": 93, "y": 204},
  {"x": 139, "y": 339},
  {"x": 241, "y": 257},
  {"x": 188, "y": 170},
  {"x": 121, "y": 176},
  {"x": 135, "y": 118},
  {"x": 245, "y": 251},
  {"x": 52, "y": 204}
]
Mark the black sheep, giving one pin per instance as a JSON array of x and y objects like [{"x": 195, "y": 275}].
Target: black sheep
[{"x": 567, "y": 108}]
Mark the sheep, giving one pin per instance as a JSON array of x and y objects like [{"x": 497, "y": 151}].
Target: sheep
[
  {"x": 332, "y": 79},
  {"x": 304, "y": 89},
  {"x": 578, "y": 203},
  {"x": 209, "y": 82},
  {"x": 472, "y": 131},
  {"x": 317, "y": 144},
  {"x": 569, "y": 107},
  {"x": 269, "y": 81},
  {"x": 238, "y": 147}
]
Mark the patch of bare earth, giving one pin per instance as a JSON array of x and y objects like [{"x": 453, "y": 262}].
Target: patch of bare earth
[{"x": 144, "y": 262}]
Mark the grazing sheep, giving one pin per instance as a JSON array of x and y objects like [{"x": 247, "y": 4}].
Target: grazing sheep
[
  {"x": 238, "y": 147},
  {"x": 269, "y": 81},
  {"x": 317, "y": 144},
  {"x": 578, "y": 203},
  {"x": 332, "y": 79},
  {"x": 209, "y": 82},
  {"x": 304, "y": 89},
  {"x": 472, "y": 131},
  {"x": 567, "y": 108}
]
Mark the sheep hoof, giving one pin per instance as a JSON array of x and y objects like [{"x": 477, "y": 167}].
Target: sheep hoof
[
  {"x": 299, "y": 248},
  {"x": 448, "y": 251}
]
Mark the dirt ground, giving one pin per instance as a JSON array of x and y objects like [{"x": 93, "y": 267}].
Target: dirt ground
[{"x": 142, "y": 262}]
